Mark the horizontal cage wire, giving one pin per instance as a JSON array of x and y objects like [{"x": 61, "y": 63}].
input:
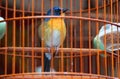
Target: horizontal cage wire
[{"x": 59, "y": 39}]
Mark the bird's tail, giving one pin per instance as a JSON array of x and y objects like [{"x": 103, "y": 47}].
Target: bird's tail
[{"x": 47, "y": 59}]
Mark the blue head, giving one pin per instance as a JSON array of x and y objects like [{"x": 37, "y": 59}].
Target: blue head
[{"x": 56, "y": 11}]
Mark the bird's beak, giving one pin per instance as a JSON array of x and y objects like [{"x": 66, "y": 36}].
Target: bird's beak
[{"x": 64, "y": 10}]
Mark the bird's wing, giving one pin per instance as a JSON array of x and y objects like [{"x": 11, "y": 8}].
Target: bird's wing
[
  {"x": 41, "y": 30},
  {"x": 98, "y": 43},
  {"x": 44, "y": 31}
]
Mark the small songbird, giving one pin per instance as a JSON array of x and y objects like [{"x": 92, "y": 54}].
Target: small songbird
[
  {"x": 108, "y": 33},
  {"x": 52, "y": 32}
]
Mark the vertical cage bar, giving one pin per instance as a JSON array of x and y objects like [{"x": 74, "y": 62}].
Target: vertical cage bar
[
  {"x": 71, "y": 35},
  {"x": 98, "y": 64},
  {"x": 105, "y": 38},
  {"x": 14, "y": 39},
  {"x": 118, "y": 52},
  {"x": 32, "y": 37},
  {"x": 20, "y": 43},
  {"x": 28, "y": 33},
  {"x": 60, "y": 69},
  {"x": 42, "y": 43},
  {"x": 111, "y": 19},
  {"x": 74, "y": 39},
  {"x": 36, "y": 38},
  {"x": 52, "y": 52},
  {"x": 61, "y": 37},
  {"x": 35, "y": 24},
  {"x": 20, "y": 29},
  {"x": 67, "y": 42},
  {"x": 89, "y": 37},
  {"x": 67, "y": 39},
  {"x": 60, "y": 58},
  {"x": 22, "y": 36},
  {"x": 59, "y": 64},
  {"x": 74, "y": 29},
  {"x": 81, "y": 38},
  {"x": 20, "y": 39},
  {"x": 28, "y": 27},
  {"x": 67, "y": 28},
  {"x": 52, "y": 59},
  {"x": 117, "y": 3},
  {"x": 51, "y": 6},
  {"x": 6, "y": 16},
  {"x": 28, "y": 45}
]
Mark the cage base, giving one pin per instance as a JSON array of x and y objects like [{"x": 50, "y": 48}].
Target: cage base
[{"x": 57, "y": 75}]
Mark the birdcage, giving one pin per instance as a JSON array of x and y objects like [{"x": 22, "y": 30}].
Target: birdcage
[{"x": 90, "y": 49}]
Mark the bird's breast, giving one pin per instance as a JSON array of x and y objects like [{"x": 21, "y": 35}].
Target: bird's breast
[
  {"x": 55, "y": 32},
  {"x": 57, "y": 23}
]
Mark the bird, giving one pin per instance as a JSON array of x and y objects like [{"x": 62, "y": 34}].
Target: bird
[
  {"x": 52, "y": 31},
  {"x": 111, "y": 33},
  {"x": 2, "y": 28}
]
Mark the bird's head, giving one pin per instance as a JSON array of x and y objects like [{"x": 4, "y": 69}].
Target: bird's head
[{"x": 56, "y": 11}]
